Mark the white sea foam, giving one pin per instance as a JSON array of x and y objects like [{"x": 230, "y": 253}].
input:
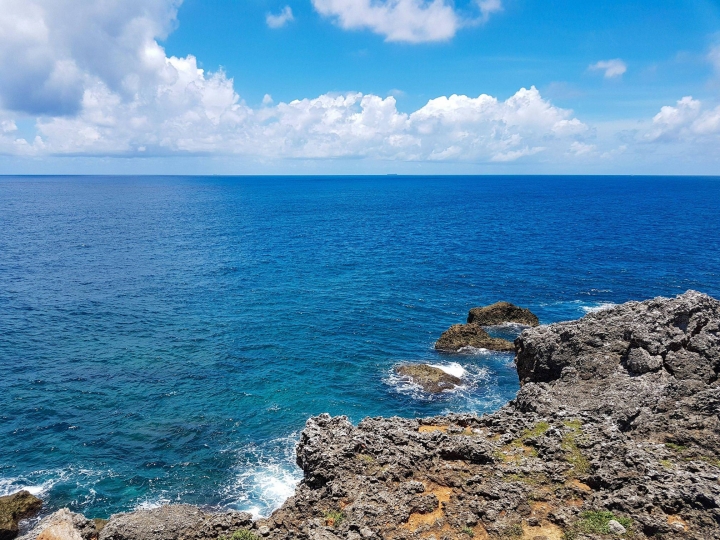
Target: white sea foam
[
  {"x": 518, "y": 327},
  {"x": 9, "y": 486},
  {"x": 149, "y": 504},
  {"x": 470, "y": 350},
  {"x": 266, "y": 477},
  {"x": 598, "y": 307},
  {"x": 472, "y": 377},
  {"x": 454, "y": 369}
]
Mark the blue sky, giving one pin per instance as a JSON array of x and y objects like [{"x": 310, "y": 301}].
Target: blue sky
[
  {"x": 547, "y": 44},
  {"x": 356, "y": 86}
]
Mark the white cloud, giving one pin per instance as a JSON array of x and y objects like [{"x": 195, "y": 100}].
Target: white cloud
[
  {"x": 410, "y": 21},
  {"x": 612, "y": 68},
  {"x": 671, "y": 121},
  {"x": 281, "y": 19},
  {"x": 488, "y": 7},
  {"x": 128, "y": 98},
  {"x": 50, "y": 50},
  {"x": 199, "y": 113},
  {"x": 687, "y": 121},
  {"x": 579, "y": 148}
]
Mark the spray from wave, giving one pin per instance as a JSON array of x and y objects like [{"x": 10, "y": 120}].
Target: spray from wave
[
  {"x": 598, "y": 307},
  {"x": 266, "y": 476}
]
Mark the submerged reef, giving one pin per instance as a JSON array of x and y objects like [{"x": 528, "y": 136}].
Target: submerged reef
[{"x": 613, "y": 434}]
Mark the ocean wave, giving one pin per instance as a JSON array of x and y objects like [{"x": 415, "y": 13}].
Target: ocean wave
[
  {"x": 472, "y": 376},
  {"x": 569, "y": 310},
  {"x": 8, "y": 486},
  {"x": 266, "y": 476},
  {"x": 454, "y": 369},
  {"x": 151, "y": 503},
  {"x": 598, "y": 307}
]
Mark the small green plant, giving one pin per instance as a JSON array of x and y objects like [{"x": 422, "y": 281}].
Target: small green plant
[
  {"x": 468, "y": 531},
  {"x": 597, "y": 522},
  {"x": 539, "y": 429},
  {"x": 334, "y": 518},
  {"x": 679, "y": 448},
  {"x": 667, "y": 464},
  {"x": 531, "y": 480},
  {"x": 513, "y": 531},
  {"x": 580, "y": 464},
  {"x": 367, "y": 458},
  {"x": 710, "y": 461},
  {"x": 242, "y": 534},
  {"x": 575, "y": 425}
]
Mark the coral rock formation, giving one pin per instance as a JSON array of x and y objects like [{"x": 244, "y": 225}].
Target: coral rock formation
[
  {"x": 501, "y": 313},
  {"x": 16, "y": 507},
  {"x": 431, "y": 379}
]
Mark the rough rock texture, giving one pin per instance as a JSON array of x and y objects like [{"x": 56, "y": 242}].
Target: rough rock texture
[
  {"x": 431, "y": 379},
  {"x": 63, "y": 525},
  {"x": 13, "y": 508},
  {"x": 588, "y": 446},
  {"x": 174, "y": 522},
  {"x": 470, "y": 335},
  {"x": 500, "y": 313}
]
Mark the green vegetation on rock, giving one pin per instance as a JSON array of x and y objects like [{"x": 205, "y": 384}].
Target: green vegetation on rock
[
  {"x": 580, "y": 464},
  {"x": 513, "y": 531},
  {"x": 334, "y": 518},
  {"x": 242, "y": 534},
  {"x": 539, "y": 429},
  {"x": 679, "y": 448},
  {"x": 595, "y": 522}
]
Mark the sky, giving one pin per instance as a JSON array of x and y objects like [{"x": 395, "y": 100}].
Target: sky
[{"x": 359, "y": 87}]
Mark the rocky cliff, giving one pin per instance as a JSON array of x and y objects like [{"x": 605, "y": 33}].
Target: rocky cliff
[{"x": 613, "y": 434}]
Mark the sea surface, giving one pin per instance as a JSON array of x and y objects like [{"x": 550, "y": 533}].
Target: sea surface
[{"x": 164, "y": 339}]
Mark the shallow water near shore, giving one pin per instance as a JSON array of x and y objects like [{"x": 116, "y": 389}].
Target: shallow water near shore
[{"x": 165, "y": 339}]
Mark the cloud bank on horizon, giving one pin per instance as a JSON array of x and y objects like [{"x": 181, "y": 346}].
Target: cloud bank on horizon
[{"x": 129, "y": 98}]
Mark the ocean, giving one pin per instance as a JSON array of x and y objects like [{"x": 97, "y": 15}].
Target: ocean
[{"x": 164, "y": 339}]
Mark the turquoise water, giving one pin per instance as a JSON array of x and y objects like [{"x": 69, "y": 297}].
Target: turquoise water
[{"x": 165, "y": 339}]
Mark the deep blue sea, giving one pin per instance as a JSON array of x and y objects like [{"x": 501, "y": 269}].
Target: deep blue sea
[{"x": 164, "y": 339}]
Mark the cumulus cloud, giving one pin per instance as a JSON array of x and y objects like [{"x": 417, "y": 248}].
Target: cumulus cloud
[
  {"x": 200, "y": 113},
  {"x": 128, "y": 98},
  {"x": 281, "y": 19},
  {"x": 412, "y": 21},
  {"x": 687, "y": 120},
  {"x": 612, "y": 68},
  {"x": 111, "y": 90},
  {"x": 51, "y": 50}
]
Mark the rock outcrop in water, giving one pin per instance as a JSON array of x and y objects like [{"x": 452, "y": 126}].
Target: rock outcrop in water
[
  {"x": 460, "y": 336},
  {"x": 16, "y": 507},
  {"x": 613, "y": 434},
  {"x": 431, "y": 379},
  {"x": 501, "y": 313},
  {"x": 474, "y": 335}
]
